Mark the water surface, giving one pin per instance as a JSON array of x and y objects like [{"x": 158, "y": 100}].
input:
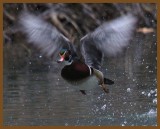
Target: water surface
[{"x": 37, "y": 95}]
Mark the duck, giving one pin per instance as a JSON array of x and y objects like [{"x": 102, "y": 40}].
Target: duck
[{"x": 107, "y": 40}]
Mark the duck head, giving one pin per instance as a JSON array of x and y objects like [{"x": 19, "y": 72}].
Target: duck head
[{"x": 65, "y": 55}]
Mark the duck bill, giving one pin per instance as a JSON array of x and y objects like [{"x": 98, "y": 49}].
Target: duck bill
[{"x": 61, "y": 59}]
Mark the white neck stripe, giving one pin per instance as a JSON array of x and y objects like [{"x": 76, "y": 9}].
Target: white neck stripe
[{"x": 90, "y": 71}]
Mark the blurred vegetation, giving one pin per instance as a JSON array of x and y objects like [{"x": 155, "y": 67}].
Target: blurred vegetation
[{"x": 73, "y": 20}]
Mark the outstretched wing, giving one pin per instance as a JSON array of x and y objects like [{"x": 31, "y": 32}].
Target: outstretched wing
[
  {"x": 108, "y": 40},
  {"x": 42, "y": 34}
]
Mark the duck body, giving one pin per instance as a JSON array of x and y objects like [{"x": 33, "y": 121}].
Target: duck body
[
  {"x": 76, "y": 71},
  {"x": 80, "y": 76}
]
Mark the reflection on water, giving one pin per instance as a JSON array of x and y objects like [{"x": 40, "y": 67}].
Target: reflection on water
[{"x": 37, "y": 95}]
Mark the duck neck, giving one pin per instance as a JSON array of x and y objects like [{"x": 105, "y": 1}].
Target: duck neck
[{"x": 69, "y": 62}]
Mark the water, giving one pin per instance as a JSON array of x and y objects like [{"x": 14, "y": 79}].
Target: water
[{"x": 37, "y": 95}]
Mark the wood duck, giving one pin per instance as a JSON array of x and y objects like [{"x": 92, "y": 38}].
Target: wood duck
[{"x": 109, "y": 39}]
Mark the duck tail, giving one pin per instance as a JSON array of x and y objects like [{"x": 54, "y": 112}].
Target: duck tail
[{"x": 108, "y": 81}]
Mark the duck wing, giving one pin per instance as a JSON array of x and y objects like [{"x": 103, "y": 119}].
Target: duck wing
[
  {"x": 109, "y": 39},
  {"x": 42, "y": 34}
]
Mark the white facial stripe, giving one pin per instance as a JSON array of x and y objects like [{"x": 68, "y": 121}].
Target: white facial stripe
[{"x": 64, "y": 53}]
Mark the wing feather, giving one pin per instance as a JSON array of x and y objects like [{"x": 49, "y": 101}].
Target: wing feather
[
  {"x": 109, "y": 39},
  {"x": 42, "y": 34}
]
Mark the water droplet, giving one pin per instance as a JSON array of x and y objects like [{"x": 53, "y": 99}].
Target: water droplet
[
  {"x": 155, "y": 101},
  {"x": 149, "y": 94},
  {"x": 151, "y": 112},
  {"x": 152, "y": 91},
  {"x": 103, "y": 107},
  {"x": 125, "y": 122},
  {"x": 66, "y": 124},
  {"x": 128, "y": 89},
  {"x": 143, "y": 92}
]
